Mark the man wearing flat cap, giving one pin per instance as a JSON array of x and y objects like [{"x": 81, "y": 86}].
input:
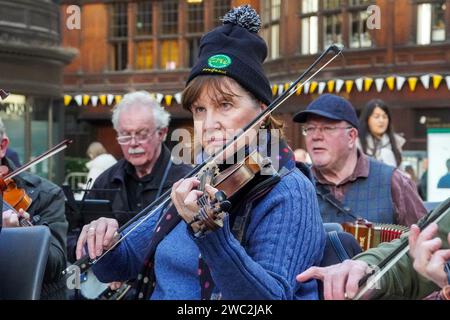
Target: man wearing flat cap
[{"x": 349, "y": 184}]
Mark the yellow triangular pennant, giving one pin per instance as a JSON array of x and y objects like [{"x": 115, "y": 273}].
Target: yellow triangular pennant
[
  {"x": 67, "y": 100},
  {"x": 349, "y": 85},
  {"x": 437, "y": 79},
  {"x": 390, "y": 83},
  {"x": 330, "y": 85},
  {"x": 367, "y": 84}
]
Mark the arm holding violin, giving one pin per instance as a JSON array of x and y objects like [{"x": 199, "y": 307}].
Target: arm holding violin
[
  {"x": 125, "y": 261},
  {"x": 285, "y": 236}
]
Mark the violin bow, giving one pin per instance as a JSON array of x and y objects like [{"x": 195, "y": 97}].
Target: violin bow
[
  {"x": 49, "y": 153},
  {"x": 370, "y": 280},
  {"x": 85, "y": 262}
]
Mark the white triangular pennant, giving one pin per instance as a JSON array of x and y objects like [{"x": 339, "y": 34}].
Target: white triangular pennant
[
  {"x": 359, "y": 84},
  {"x": 159, "y": 97},
  {"x": 79, "y": 99},
  {"x": 280, "y": 89},
  {"x": 94, "y": 100},
  {"x": 306, "y": 87},
  {"x": 400, "y": 82},
  {"x": 425, "y": 81},
  {"x": 109, "y": 99},
  {"x": 339, "y": 84},
  {"x": 379, "y": 84},
  {"x": 322, "y": 86},
  {"x": 447, "y": 80},
  {"x": 177, "y": 97}
]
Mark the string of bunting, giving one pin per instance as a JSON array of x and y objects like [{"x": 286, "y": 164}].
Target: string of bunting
[
  {"x": 112, "y": 99},
  {"x": 362, "y": 84},
  {"x": 365, "y": 84}
]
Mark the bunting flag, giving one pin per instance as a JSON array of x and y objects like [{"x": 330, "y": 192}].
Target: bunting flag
[
  {"x": 177, "y": 97},
  {"x": 390, "y": 81},
  {"x": 359, "y": 84},
  {"x": 313, "y": 86},
  {"x": 447, "y": 80},
  {"x": 425, "y": 81},
  {"x": 299, "y": 89},
  {"x": 67, "y": 100},
  {"x": 103, "y": 99},
  {"x": 306, "y": 87},
  {"x": 339, "y": 84},
  {"x": 159, "y": 97},
  {"x": 349, "y": 86},
  {"x": 85, "y": 99},
  {"x": 109, "y": 99},
  {"x": 79, "y": 99},
  {"x": 274, "y": 89},
  {"x": 362, "y": 84},
  {"x": 379, "y": 84},
  {"x": 412, "y": 81},
  {"x": 437, "y": 79},
  {"x": 94, "y": 100},
  {"x": 322, "y": 86},
  {"x": 331, "y": 85},
  {"x": 400, "y": 81},
  {"x": 168, "y": 100},
  {"x": 367, "y": 84}
]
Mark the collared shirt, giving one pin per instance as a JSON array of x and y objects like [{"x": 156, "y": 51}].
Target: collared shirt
[{"x": 408, "y": 206}]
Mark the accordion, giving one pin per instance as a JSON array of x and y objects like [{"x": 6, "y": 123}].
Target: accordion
[{"x": 370, "y": 235}]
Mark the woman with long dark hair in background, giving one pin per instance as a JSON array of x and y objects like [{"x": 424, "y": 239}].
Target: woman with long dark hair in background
[{"x": 376, "y": 134}]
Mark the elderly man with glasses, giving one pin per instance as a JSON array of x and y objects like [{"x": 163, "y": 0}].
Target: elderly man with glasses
[
  {"x": 146, "y": 171},
  {"x": 349, "y": 184}
]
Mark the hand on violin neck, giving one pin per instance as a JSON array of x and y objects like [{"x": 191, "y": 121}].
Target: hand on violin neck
[
  {"x": 11, "y": 219},
  {"x": 188, "y": 200}
]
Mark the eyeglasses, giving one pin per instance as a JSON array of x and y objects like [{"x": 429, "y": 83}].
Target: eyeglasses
[
  {"x": 327, "y": 130},
  {"x": 140, "y": 137}
]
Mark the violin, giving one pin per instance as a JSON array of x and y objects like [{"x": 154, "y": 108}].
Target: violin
[
  {"x": 230, "y": 181},
  {"x": 15, "y": 198}
]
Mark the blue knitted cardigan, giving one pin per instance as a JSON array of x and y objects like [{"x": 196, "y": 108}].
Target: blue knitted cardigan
[{"x": 284, "y": 237}]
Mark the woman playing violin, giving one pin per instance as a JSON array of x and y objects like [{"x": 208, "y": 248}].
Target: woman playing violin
[
  {"x": 45, "y": 206},
  {"x": 270, "y": 232}
]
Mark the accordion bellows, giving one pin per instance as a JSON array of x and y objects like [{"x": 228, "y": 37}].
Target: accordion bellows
[{"x": 370, "y": 235}]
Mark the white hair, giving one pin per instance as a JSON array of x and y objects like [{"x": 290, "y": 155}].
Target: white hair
[{"x": 141, "y": 98}]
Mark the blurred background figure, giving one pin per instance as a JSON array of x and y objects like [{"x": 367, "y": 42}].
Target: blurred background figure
[
  {"x": 444, "y": 181},
  {"x": 376, "y": 134},
  {"x": 409, "y": 171},
  {"x": 302, "y": 156},
  {"x": 100, "y": 160},
  {"x": 422, "y": 184}
]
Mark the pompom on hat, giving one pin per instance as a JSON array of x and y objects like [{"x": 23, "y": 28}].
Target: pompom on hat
[{"x": 237, "y": 51}]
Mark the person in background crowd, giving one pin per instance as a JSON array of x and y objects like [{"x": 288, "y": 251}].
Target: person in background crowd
[
  {"x": 350, "y": 184},
  {"x": 376, "y": 134}
]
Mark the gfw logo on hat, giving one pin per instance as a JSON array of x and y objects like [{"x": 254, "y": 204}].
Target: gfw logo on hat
[{"x": 219, "y": 61}]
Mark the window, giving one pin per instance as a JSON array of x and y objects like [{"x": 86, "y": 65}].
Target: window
[
  {"x": 270, "y": 18},
  {"x": 169, "y": 19},
  {"x": 359, "y": 33},
  {"x": 431, "y": 22},
  {"x": 144, "y": 18},
  {"x": 195, "y": 20},
  {"x": 119, "y": 20},
  {"x": 332, "y": 22},
  {"x": 310, "y": 26},
  {"x": 322, "y": 23},
  {"x": 119, "y": 36},
  {"x": 169, "y": 54},
  {"x": 144, "y": 55},
  {"x": 221, "y": 7},
  {"x": 359, "y": 36}
]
